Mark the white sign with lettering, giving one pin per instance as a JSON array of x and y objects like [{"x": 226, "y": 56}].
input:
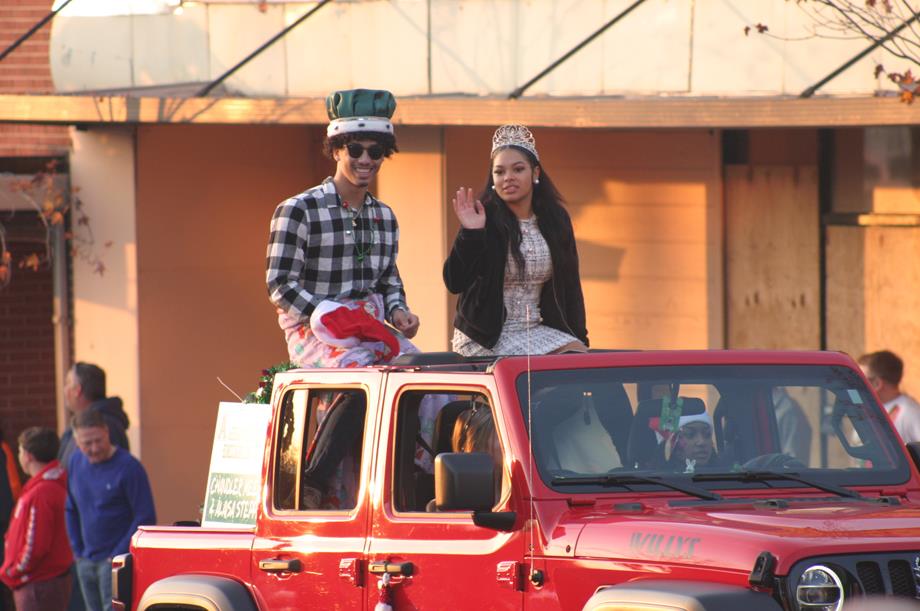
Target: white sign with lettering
[{"x": 234, "y": 477}]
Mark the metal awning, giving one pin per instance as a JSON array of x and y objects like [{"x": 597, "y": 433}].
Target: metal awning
[{"x": 581, "y": 112}]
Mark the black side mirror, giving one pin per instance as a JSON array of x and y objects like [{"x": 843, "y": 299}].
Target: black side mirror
[
  {"x": 913, "y": 448},
  {"x": 464, "y": 482}
]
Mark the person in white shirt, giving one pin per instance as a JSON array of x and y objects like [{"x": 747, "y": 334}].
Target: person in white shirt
[{"x": 884, "y": 370}]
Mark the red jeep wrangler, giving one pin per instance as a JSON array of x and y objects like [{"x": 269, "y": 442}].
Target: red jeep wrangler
[{"x": 712, "y": 480}]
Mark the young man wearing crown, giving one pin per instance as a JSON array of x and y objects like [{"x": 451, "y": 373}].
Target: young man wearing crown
[
  {"x": 338, "y": 243},
  {"x": 332, "y": 275}
]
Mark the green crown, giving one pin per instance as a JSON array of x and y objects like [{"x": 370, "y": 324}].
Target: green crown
[{"x": 360, "y": 103}]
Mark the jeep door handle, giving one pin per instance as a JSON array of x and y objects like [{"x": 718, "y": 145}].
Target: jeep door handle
[
  {"x": 393, "y": 568},
  {"x": 278, "y": 565}
]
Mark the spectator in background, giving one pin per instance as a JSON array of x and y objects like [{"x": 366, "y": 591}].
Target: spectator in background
[
  {"x": 84, "y": 389},
  {"x": 884, "y": 370},
  {"x": 37, "y": 555},
  {"x": 6, "y": 508},
  {"x": 12, "y": 471},
  {"x": 109, "y": 497}
]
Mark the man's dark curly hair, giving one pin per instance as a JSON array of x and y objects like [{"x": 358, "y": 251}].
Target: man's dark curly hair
[{"x": 387, "y": 141}]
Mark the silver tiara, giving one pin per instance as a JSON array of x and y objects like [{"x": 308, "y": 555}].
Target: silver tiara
[{"x": 514, "y": 135}]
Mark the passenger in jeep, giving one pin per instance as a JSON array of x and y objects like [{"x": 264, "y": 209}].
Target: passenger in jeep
[
  {"x": 691, "y": 448},
  {"x": 475, "y": 431},
  {"x": 514, "y": 262},
  {"x": 337, "y": 243},
  {"x": 331, "y": 273}
]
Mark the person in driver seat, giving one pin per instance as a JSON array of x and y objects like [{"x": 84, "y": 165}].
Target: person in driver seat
[{"x": 691, "y": 448}]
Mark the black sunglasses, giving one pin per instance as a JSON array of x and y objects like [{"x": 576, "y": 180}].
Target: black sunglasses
[{"x": 355, "y": 150}]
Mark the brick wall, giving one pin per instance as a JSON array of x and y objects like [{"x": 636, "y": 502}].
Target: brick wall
[
  {"x": 27, "y": 387},
  {"x": 26, "y": 70},
  {"x": 27, "y": 380}
]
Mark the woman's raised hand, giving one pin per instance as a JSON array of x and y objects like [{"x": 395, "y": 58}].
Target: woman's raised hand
[{"x": 469, "y": 211}]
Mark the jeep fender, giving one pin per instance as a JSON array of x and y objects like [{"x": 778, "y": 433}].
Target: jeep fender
[
  {"x": 205, "y": 592},
  {"x": 679, "y": 596}
]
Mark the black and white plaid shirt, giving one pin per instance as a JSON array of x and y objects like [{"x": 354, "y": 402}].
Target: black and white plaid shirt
[{"x": 318, "y": 249}]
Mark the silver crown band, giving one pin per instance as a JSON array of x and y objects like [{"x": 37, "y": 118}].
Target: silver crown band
[
  {"x": 514, "y": 135},
  {"x": 350, "y": 125}
]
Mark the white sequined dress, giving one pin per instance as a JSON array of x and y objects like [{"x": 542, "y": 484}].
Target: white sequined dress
[{"x": 522, "y": 332}]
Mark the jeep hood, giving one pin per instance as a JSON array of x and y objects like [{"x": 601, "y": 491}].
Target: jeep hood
[{"x": 731, "y": 536}]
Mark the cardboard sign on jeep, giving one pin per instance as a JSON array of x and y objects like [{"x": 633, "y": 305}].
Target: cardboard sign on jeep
[{"x": 619, "y": 480}]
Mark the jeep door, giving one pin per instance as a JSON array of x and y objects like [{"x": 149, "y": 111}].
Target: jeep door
[
  {"x": 438, "y": 560},
  {"x": 312, "y": 527}
]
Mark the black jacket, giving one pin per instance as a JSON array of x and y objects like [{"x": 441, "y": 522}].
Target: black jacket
[{"x": 475, "y": 268}]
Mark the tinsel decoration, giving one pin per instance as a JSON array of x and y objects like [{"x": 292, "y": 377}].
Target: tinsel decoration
[{"x": 263, "y": 393}]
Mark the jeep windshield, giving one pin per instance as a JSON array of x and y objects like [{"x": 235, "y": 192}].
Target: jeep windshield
[{"x": 710, "y": 427}]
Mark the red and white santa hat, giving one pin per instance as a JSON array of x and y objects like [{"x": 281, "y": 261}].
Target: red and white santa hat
[{"x": 347, "y": 326}]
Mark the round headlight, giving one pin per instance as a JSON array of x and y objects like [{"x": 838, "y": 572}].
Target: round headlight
[{"x": 819, "y": 589}]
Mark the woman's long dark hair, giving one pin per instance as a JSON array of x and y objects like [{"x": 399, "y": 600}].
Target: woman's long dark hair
[{"x": 547, "y": 206}]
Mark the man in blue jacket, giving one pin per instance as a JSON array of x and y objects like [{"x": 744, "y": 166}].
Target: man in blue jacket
[{"x": 108, "y": 497}]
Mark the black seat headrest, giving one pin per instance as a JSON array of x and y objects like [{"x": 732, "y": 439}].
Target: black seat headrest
[{"x": 444, "y": 424}]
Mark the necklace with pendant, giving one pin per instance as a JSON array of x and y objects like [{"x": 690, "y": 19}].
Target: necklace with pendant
[{"x": 362, "y": 247}]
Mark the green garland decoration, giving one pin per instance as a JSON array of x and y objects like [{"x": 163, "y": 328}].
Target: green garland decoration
[{"x": 263, "y": 393}]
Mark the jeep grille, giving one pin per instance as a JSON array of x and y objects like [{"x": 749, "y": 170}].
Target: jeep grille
[{"x": 895, "y": 574}]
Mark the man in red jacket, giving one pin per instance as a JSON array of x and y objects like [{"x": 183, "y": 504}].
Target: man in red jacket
[{"x": 37, "y": 560}]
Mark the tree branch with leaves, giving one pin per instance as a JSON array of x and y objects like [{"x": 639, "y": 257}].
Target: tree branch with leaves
[
  {"x": 50, "y": 200},
  {"x": 892, "y": 25}
]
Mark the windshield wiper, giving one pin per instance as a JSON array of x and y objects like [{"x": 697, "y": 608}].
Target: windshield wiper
[
  {"x": 766, "y": 476},
  {"x": 625, "y": 480}
]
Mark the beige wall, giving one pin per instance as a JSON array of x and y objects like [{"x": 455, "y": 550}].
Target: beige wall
[
  {"x": 873, "y": 282},
  {"x": 412, "y": 183},
  {"x": 105, "y": 297},
  {"x": 647, "y": 214},
  {"x": 205, "y": 196},
  {"x": 873, "y": 294},
  {"x": 773, "y": 264}
]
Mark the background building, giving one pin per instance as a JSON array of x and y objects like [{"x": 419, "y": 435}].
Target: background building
[
  {"x": 33, "y": 341},
  {"x": 714, "y": 207}
]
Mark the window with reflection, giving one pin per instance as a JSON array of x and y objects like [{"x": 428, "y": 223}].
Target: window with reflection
[
  {"x": 751, "y": 426},
  {"x": 429, "y": 423},
  {"x": 319, "y": 449}
]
